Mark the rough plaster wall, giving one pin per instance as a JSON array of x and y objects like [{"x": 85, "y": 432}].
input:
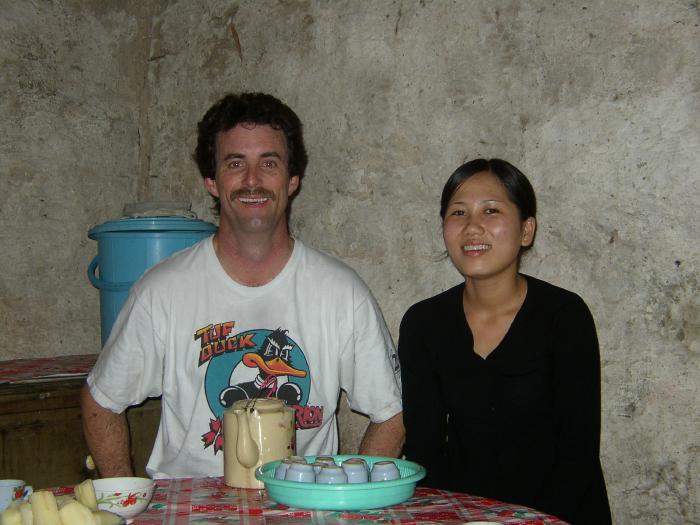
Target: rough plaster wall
[
  {"x": 615, "y": 158},
  {"x": 68, "y": 160},
  {"x": 597, "y": 102}
]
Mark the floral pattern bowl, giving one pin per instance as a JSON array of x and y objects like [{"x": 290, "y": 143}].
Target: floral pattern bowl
[{"x": 126, "y": 497}]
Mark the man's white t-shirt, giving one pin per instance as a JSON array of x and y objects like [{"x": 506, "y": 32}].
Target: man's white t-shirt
[{"x": 192, "y": 335}]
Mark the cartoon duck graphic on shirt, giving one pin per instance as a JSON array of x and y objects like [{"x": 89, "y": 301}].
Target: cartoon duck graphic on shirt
[
  {"x": 273, "y": 362},
  {"x": 253, "y": 364}
]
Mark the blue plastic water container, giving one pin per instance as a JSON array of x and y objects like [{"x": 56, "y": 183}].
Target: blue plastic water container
[{"x": 128, "y": 247}]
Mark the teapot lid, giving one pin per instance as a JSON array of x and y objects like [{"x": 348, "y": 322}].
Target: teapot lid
[{"x": 259, "y": 405}]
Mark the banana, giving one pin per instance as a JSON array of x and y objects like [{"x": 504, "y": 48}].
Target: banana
[
  {"x": 85, "y": 494},
  {"x": 25, "y": 510},
  {"x": 75, "y": 513},
  {"x": 102, "y": 517},
  {"x": 11, "y": 516},
  {"x": 62, "y": 501},
  {"x": 44, "y": 509}
]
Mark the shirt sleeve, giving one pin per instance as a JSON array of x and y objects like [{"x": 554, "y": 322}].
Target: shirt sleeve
[
  {"x": 369, "y": 371},
  {"x": 424, "y": 412},
  {"x": 577, "y": 402},
  {"x": 130, "y": 367}
]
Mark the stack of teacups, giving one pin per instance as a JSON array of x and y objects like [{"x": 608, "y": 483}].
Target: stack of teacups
[{"x": 324, "y": 470}]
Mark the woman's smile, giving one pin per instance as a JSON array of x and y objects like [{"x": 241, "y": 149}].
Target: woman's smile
[{"x": 476, "y": 249}]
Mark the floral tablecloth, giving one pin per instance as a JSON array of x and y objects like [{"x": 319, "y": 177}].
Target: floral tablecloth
[{"x": 209, "y": 501}]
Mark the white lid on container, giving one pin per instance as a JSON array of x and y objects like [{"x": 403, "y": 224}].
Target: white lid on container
[{"x": 159, "y": 209}]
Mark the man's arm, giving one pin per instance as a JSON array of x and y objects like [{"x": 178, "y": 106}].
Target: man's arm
[
  {"x": 384, "y": 439},
  {"x": 107, "y": 436}
]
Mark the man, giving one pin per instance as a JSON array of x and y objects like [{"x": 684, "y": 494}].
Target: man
[{"x": 250, "y": 312}]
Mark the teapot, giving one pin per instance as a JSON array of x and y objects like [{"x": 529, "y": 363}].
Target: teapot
[{"x": 256, "y": 431}]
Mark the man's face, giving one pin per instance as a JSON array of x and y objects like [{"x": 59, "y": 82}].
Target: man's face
[{"x": 252, "y": 179}]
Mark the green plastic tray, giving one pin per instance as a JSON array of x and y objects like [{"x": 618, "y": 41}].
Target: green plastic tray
[{"x": 355, "y": 496}]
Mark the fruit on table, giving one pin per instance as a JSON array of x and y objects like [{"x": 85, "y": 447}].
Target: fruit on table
[
  {"x": 102, "y": 517},
  {"x": 11, "y": 516},
  {"x": 25, "y": 510},
  {"x": 18, "y": 513},
  {"x": 85, "y": 494},
  {"x": 61, "y": 501},
  {"x": 46, "y": 509},
  {"x": 76, "y": 513}
]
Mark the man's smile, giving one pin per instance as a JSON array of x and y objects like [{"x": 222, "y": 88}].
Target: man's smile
[
  {"x": 254, "y": 197},
  {"x": 253, "y": 200}
]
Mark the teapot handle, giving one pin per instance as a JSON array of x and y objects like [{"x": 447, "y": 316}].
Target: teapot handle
[{"x": 246, "y": 449}]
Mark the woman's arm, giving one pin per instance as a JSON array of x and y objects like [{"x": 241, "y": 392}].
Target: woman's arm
[
  {"x": 577, "y": 475},
  {"x": 424, "y": 415}
]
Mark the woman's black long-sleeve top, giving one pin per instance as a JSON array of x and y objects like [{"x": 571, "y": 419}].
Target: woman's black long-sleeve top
[{"x": 522, "y": 425}]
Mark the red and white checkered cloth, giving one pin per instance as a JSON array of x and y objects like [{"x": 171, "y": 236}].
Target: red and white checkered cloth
[{"x": 209, "y": 501}]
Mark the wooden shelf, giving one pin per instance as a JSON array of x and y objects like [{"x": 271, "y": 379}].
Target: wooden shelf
[{"x": 41, "y": 437}]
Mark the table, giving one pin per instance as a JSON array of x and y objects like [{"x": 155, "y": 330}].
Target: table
[
  {"x": 210, "y": 501},
  {"x": 46, "y": 368}
]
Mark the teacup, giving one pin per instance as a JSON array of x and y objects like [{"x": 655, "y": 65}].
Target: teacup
[
  {"x": 302, "y": 472},
  {"x": 11, "y": 490},
  {"x": 384, "y": 471},
  {"x": 332, "y": 475},
  {"x": 356, "y": 470},
  {"x": 321, "y": 461},
  {"x": 282, "y": 467}
]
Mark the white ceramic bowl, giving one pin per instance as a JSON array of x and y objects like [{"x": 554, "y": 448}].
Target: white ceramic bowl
[{"x": 126, "y": 497}]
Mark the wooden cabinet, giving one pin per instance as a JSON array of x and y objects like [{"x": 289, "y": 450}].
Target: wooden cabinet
[{"x": 41, "y": 437}]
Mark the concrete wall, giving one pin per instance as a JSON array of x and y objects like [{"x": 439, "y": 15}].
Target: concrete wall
[
  {"x": 69, "y": 159},
  {"x": 596, "y": 101}
]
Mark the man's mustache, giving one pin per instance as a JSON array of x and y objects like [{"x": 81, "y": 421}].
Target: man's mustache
[{"x": 253, "y": 192}]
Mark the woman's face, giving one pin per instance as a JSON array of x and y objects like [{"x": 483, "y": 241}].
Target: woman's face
[{"x": 482, "y": 228}]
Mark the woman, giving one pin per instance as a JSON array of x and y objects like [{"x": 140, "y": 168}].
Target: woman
[{"x": 501, "y": 374}]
